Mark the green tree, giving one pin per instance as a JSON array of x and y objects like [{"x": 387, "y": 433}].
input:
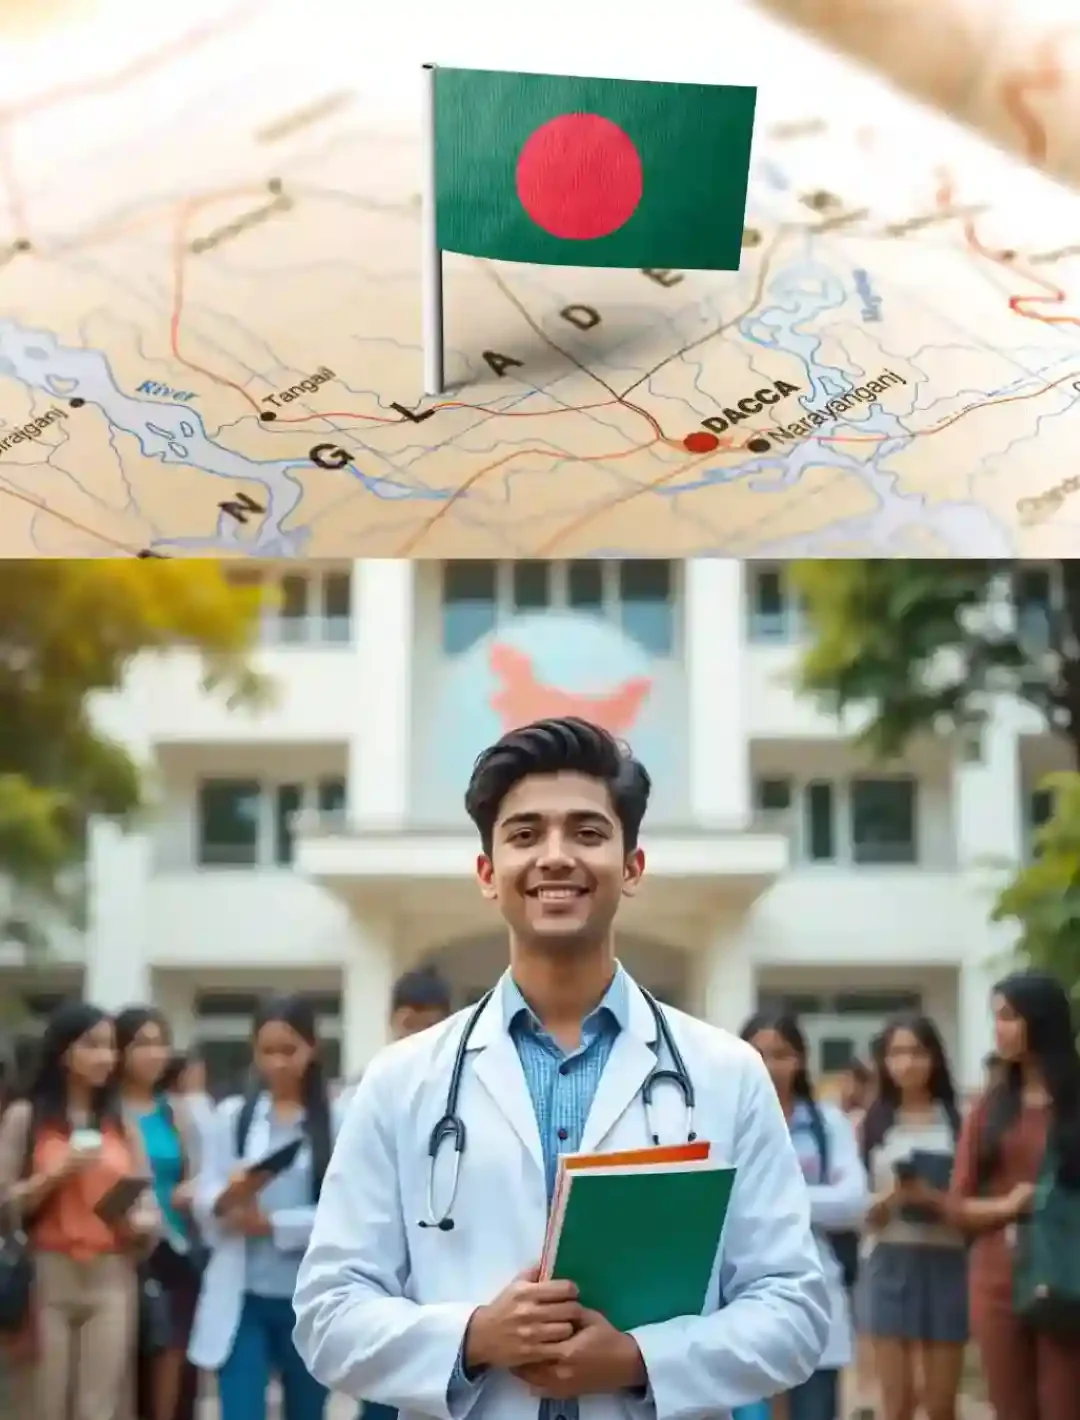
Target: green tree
[
  {"x": 69, "y": 630},
  {"x": 922, "y": 647}
]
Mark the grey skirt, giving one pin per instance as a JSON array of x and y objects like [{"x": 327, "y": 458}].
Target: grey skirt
[{"x": 914, "y": 1292}]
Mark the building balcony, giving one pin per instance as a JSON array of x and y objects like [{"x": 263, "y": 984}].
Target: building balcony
[{"x": 314, "y": 695}]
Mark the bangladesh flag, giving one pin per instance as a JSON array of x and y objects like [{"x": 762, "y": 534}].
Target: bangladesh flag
[{"x": 591, "y": 172}]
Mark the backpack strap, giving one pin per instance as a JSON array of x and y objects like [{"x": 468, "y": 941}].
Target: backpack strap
[
  {"x": 244, "y": 1116},
  {"x": 821, "y": 1138}
]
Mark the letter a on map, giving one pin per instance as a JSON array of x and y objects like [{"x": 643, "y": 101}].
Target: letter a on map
[{"x": 565, "y": 171}]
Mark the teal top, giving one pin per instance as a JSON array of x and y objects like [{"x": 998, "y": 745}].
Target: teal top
[{"x": 165, "y": 1153}]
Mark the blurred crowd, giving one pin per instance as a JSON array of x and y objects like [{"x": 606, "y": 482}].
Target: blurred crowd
[{"x": 142, "y": 1266}]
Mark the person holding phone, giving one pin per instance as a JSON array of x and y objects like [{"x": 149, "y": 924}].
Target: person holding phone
[
  {"x": 255, "y": 1196},
  {"x": 913, "y": 1289},
  {"x": 64, "y": 1150},
  {"x": 168, "y": 1383}
]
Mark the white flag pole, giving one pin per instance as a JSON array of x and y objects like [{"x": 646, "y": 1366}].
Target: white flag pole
[{"x": 431, "y": 265}]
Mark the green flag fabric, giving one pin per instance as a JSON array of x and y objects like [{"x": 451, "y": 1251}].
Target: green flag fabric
[{"x": 591, "y": 172}]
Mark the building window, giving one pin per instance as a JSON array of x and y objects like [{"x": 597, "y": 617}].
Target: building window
[
  {"x": 229, "y": 822},
  {"x": 303, "y": 608},
  {"x": 638, "y": 595},
  {"x": 1035, "y": 595},
  {"x": 861, "y": 821},
  {"x": 244, "y": 823},
  {"x": 774, "y": 611},
  {"x": 468, "y": 603},
  {"x": 820, "y": 822},
  {"x": 772, "y": 795},
  {"x": 883, "y": 820}
]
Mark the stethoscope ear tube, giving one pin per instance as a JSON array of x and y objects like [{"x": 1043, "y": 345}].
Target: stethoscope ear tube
[{"x": 451, "y": 1126}]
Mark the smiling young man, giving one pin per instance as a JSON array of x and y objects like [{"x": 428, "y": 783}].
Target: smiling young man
[{"x": 425, "y": 1295}]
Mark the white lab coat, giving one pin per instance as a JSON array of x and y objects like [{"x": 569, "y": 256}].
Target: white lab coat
[
  {"x": 221, "y": 1296},
  {"x": 382, "y": 1305},
  {"x": 838, "y": 1204}
]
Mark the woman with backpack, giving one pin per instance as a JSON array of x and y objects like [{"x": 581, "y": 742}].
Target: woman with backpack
[
  {"x": 70, "y": 1172},
  {"x": 1017, "y": 1167},
  {"x": 257, "y": 1220},
  {"x": 912, "y": 1298},
  {"x": 836, "y": 1181},
  {"x": 167, "y": 1382}
]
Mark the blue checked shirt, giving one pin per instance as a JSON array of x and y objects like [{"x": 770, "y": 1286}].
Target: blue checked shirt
[{"x": 562, "y": 1085}]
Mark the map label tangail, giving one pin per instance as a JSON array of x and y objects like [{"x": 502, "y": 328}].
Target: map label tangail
[{"x": 308, "y": 385}]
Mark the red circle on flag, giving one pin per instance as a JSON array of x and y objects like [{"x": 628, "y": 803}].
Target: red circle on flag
[{"x": 579, "y": 176}]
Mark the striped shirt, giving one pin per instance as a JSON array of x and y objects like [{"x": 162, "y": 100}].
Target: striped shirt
[{"x": 562, "y": 1084}]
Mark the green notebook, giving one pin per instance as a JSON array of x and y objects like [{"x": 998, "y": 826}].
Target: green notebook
[{"x": 641, "y": 1243}]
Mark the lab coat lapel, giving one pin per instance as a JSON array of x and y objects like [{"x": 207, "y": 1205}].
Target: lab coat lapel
[
  {"x": 497, "y": 1067},
  {"x": 632, "y": 1057}
]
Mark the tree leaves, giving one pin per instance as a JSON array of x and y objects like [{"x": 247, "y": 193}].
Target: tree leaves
[
  {"x": 923, "y": 647},
  {"x": 68, "y": 633}
]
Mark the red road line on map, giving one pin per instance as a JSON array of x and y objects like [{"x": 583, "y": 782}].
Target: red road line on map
[
  {"x": 546, "y": 548},
  {"x": 1054, "y": 295},
  {"x": 406, "y": 548},
  {"x": 179, "y": 266}
]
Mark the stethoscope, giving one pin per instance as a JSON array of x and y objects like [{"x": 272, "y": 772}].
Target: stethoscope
[{"x": 452, "y": 1126}]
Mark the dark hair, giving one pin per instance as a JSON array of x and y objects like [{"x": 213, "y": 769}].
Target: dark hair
[
  {"x": 47, "y": 1088},
  {"x": 298, "y": 1013},
  {"x": 173, "y": 1073},
  {"x": 421, "y": 990},
  {"x": 802, "y": 1087},
  {"x": 128, "y": 1024},
  {"x": 881, "y": 1116},
  {"x": 1042, "y": 1003},
  {"x": 550, "y": 747},
  {"x": 790, "y": 1032}
]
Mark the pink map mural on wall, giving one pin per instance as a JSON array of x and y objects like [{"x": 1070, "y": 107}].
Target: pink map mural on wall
[{"x": 521, "y": 697}]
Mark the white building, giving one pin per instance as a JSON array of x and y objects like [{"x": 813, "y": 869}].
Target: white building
[{"x": 781, "y": 866}]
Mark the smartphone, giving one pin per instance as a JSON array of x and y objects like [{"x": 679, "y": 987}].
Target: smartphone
[
  {"x": 904, "y": 1169},
  {"x": 85, "y": 1141}
]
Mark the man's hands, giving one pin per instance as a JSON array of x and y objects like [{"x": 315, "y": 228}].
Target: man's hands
[
  {"x": 541, "y": 1333},
  {"x": 523, "y": 1325},
  {"x": 596, "y": 1360}
]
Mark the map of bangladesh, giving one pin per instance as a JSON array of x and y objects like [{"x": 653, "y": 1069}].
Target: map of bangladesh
[{"x": 210, "y": 326}]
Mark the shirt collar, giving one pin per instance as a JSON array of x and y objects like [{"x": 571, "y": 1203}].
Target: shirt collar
[{"x": 615, "y": 1004}]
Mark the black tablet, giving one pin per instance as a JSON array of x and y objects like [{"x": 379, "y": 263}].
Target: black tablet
[{"x": 277, "y": 1161}]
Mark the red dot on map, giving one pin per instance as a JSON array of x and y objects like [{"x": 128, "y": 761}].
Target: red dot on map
[
  {"x": 579, "y": 176},
  {"x": 700, "y": 442}
]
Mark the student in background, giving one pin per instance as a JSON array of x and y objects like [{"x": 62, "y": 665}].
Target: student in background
[
  {"x": 913, "y": 1282},
  {"x": 168, "y": 1383},
  {"x": 419, "y": 999},
  {"x": 185, "y": 1078},
  {"x": 829, "y": 1155},
  {"x": 62, "y": 1149},
  {"x": 244, "y": 1320},
  {"x": 1029, "y": 1375}
]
